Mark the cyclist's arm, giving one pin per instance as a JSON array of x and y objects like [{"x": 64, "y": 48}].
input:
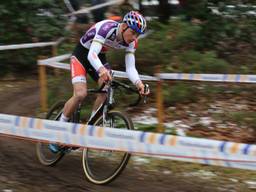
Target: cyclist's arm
[
  {"x": 93, "y": 58},
  {"x": 131, "y": 69},
  {"x": 103, "y": 30}
]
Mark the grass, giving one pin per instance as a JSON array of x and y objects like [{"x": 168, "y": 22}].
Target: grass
[
  {"x": 153, "y": 128},
  {"x": 219, "y": 177},
  {"x": 145, "y": 127},
  {"x": 246, "y": 118}
]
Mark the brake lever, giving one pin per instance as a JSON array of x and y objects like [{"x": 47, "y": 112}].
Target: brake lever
[{"x": 146, "y": 88}]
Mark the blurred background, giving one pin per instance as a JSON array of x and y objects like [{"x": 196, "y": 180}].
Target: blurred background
[{"x": 183, "y": 36}]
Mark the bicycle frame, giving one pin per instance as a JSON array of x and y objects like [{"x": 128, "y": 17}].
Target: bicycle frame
[
  {"x": 108, "y": 89},
  {"x": 103, "y": 108}
]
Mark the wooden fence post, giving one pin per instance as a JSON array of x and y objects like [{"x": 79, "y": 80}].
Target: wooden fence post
[
  {"x": 43, "y": 86},
  {"x": 159, "y": 102}
]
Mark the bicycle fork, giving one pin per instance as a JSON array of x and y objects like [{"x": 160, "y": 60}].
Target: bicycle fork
[
  {"x": 76, "y": 115},
  {"x": 109, "y": 103}
]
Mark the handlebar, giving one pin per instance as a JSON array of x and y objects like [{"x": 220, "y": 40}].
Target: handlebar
[
  {"x": 115, "y": 84},
  {"x": 146, "y": 89}
]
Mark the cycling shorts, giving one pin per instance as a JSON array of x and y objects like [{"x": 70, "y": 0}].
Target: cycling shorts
[{"x": 80, "y": 65}]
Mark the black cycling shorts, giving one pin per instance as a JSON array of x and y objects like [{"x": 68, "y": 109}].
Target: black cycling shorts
[{"x": 81, "y": 54}]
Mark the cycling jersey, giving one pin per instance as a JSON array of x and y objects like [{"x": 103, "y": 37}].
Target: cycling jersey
[
  {"x": 97, "y": 40},
  {"x": 105, "y": 32}
]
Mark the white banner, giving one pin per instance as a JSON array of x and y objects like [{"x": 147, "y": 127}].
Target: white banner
[
  {"x": 53, "y": 59},
  {"x": 89, "y": 9},
  {"x": 235, "y": 78},
  {"x": 26, "y": 45},
  {"x": 205, "y": 151}
]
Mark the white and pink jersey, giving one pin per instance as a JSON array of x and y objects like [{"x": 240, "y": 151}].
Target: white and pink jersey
[
  {"x": 105, "y": 32},
  {"x": 99, "y": 38}
]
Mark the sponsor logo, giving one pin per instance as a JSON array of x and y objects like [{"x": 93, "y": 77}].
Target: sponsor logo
[
  {"x": 210, "y": 78},
  {"x": 37, "y": 134},
  {"x": 92, "y": 33},
  {"x": 105, "y": 28},
  {"x": 5, "y": 121},
  {"x": 199, "y": 145},
  {"x": 100, "y": 143},
  {"x": 53, "y": 127},
  {"x": 252, "y": 78},
  {"x": 119, "y": 135}
]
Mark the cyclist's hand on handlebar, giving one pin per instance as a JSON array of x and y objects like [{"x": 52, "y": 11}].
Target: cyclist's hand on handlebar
[
  {"x": 141, "y": 87},
  {"x": 104, "y": 74}
]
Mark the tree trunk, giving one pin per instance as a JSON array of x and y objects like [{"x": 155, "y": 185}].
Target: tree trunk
[{"x": 163, "y": 11}]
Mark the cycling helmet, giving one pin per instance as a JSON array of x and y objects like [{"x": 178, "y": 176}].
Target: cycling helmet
[{"x": 135, "y": 21}]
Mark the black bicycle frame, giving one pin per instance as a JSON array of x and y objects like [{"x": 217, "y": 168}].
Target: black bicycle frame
[{"x": 108, "y": 103}]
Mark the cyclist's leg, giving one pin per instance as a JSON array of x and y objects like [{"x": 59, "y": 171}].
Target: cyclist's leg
[
  {"x": 79, "y": 87},
  {"x": 79, "y": 93}
]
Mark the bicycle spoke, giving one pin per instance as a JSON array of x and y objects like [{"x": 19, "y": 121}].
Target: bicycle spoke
[
  {"x": 102, "y": 166},
  {"x": 45, "y": 155}
]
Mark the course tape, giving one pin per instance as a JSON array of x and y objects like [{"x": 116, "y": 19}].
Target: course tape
[
  {"x": 89, "y": 9},
  {"x": 235, "y": 78},
  {"x": 31, "y": 45},
  {"x": 26, "y": 45},
  {"x": 121, "y": 74},
  {"x": 205, "y": 151},
  {"x": 54, "y": 62},
  {"x": 53, "y": 59},
  {"x": 209, "y": 77},
  {"x": 59, "y": 65}
]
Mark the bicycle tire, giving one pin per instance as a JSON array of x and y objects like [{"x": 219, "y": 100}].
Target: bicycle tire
[
  {"x": 41, "y": 155},
  {"x": 92, "y": 177}
]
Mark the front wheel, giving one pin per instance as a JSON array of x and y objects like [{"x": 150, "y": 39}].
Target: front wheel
[
  {"x": 43, "y": 151},
  {"x": 102, "y": 167}
]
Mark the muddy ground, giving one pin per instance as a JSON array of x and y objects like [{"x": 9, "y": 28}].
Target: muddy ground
[{"x": 20, "y": 171}]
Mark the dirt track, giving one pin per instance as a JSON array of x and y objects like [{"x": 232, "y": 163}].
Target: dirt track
[{"x": 20, "y": 171}]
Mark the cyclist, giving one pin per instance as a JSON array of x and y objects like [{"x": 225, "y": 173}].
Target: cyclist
[{"x": 89, "y": 57}]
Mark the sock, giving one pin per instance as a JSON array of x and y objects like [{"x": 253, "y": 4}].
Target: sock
[{"x": 63, "y": 118}]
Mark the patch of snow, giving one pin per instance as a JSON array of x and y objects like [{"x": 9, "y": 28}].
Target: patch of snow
[
  {"x": 222, "y": 126},
  {"x": 7, "y": 190},
  {"x": 167, "y": 172},
  {"x": 140, "y": 160},
  {"x": 206, "y": 121},
  {"x": 251, "y": 184},
  {"x": 233, "y": 180},
  {"x": 9, "y": 85},
  {"x": 201, "y": 174},
  {"x": 148, "y": 120},
  {"x": 150, "y": 110},
  {"x": 169, "y": 125},
  {"x": 180, "y": 132},
  {"x": 172, "y": 108}
]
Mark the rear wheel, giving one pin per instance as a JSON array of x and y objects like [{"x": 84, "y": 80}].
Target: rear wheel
[
  {"x": 44, "y": 154},
  {"x": 100, "y": 166}
]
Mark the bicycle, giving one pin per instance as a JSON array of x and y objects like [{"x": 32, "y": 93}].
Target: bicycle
[{"x": 95, "y": 171}]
